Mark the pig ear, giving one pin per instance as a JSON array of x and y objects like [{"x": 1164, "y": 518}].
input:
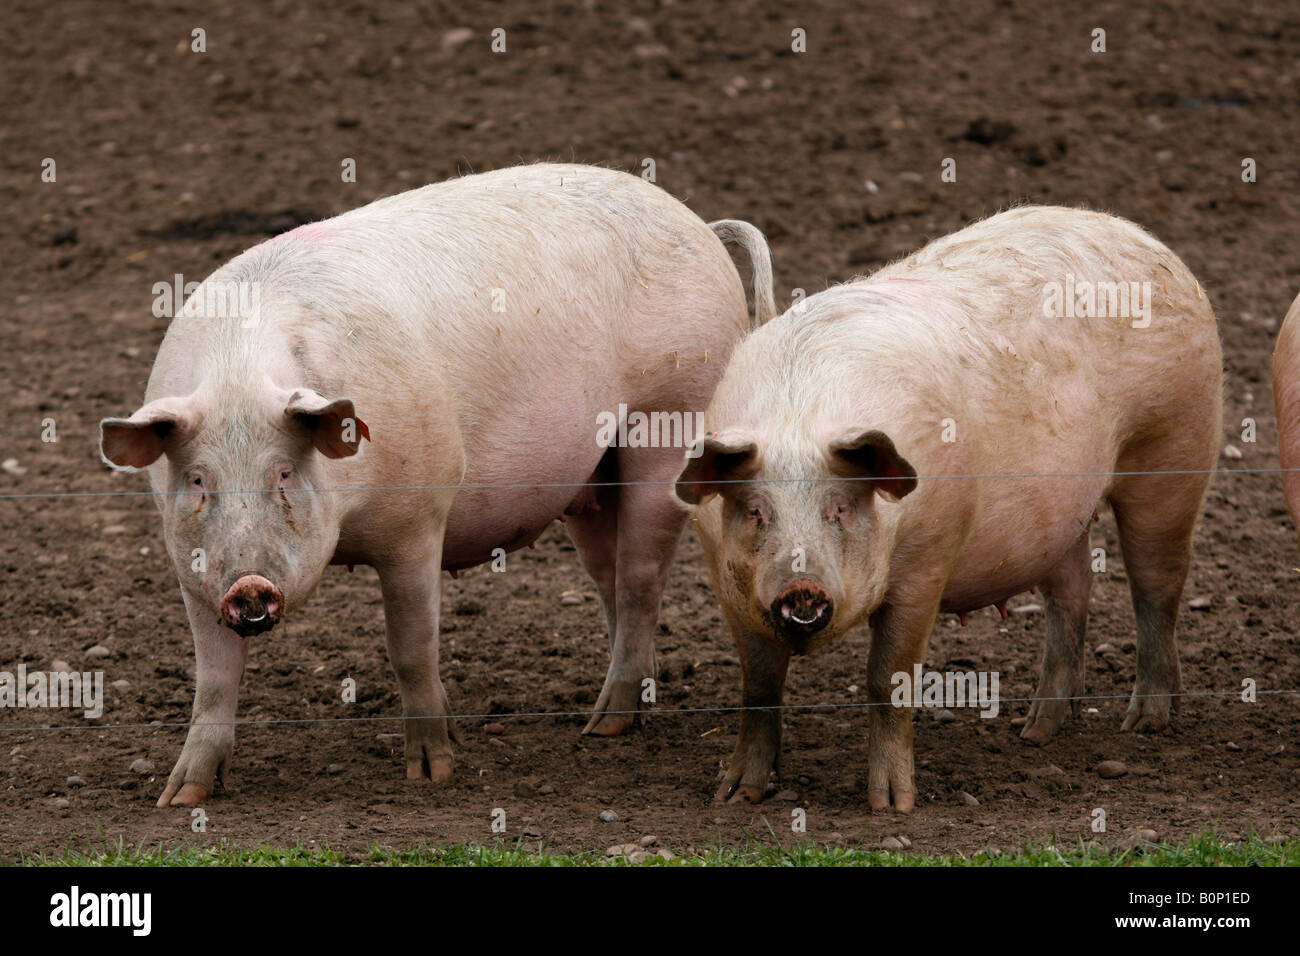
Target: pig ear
[
  {"x": 138, "y": 441},
  {"x": 714, "y": 459},
  {"x": 333, "y": 426},
  {"x": 872, "y": 455}
]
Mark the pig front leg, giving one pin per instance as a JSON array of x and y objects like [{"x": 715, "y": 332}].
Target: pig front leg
[
  {"x": 1156, "y": 516},
  {"x": 1060, "y": 683},
  {"x": 764, "y": 664},
  {"x": 899, "y": 636},
  {"x": 219, "y": 658},
  {"x": 412, "y": 593}
]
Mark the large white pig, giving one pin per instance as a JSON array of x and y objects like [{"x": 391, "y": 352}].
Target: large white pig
[
  {"x": 938, "y": 437},
  {"x": 414, "y": 384}
]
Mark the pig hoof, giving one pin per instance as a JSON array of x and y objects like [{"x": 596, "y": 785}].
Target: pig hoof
[
  {"x": 188, "y": 795},
  {"x": 1044, "y": 719},
  {"x": 904, "y": 800},
  {"x": 745, "y": 793},
  {"x": 617, "y": 708},
  {"x": 608, "y": 725},
  {"x": 1039, "y": 730},
  {"x": 434, "y": 769},
  {"x": 1144, "y": 723},
  {"x": 1148, "y": 714}
]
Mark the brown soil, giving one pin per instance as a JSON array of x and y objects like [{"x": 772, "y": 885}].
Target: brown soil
[{"x": 172, "y": 162}]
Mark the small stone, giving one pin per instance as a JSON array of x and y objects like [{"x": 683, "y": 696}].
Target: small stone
[
  {"x": 666, "y": 855},
  {"x": 141, "y": 765},
  {"x": 11, "y": 466},
  {"x": 497, "y": 742},
  {"x": 570, "y": 597},
  {"x": 608, "y": 816},
  {"x": 1111, "y": 769},
  {"x": 334, "y": 769},
  {"x": 454, "y": 39},
  {"x": 1234, "y": 747},
  {"x": 115, "y": 529},
  {"x": 622, "y": 849},
  {"x": 786, "y": 796},
  {"x": 1051, "y": 770},
  {"x": 98, "y": 652},
  {"x": 524, "y": 789},
  {"x": 891, "y": 843},
  {"x": 74, "y": 782},
  {"x": 649, "y": 840},
  {"x": 1232, "y": 452},
  {"x": 969, "y": 799},
  {"x": 390, "y": 739},
  {"x": 1105, "y": 648},
  {"x": 945, "y": 716},
  {"x": 61, "y": 667},
  {"x": 1199, "y": 604},
  {"x": 1148, "y": 836},
  {"x": 494, "y": 729},
  {"x": 907, "y": 844},
  {"x": 60, "y": 803},
  {"x": 545, "y": 790},
  {"x": 1027, "y": 609},
  {"x": 637, "y": 856},
  {"x": 120, "y": 685}
]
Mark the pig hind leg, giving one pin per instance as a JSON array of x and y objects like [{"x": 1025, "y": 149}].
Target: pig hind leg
[
  {"x": 1156, "y": 516},
  {"x": 648, "y": 525},
  {"x": 1066, "y": 591},
  {"x": 595, "y": 535}
]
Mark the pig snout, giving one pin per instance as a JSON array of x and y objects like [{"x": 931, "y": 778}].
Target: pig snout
[
  {"x": 802, "y": 609},
  {"x": 252, "y": 605}
]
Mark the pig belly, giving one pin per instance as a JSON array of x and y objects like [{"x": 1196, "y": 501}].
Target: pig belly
[
  {"x": 1021, "y": 538},
  {"x": 510, "y": 515}
]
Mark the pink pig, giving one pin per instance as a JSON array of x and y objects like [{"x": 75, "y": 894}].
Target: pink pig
[
  {"x": 939, "y": 437},
  {"x": 1286, "y": 400},
  {"x": 415, "y": 384}
]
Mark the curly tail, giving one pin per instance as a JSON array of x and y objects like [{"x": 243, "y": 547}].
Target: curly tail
[{"x": 760, "y": 260}]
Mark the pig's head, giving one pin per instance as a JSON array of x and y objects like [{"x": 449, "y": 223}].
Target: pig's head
[
  {"x": 248, "y": 515},
  {"x": 807, "y": 530}
]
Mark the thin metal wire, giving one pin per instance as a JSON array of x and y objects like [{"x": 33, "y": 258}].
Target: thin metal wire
[
  {"x": 675, "y": 711},
  {"x": 622, "y": 484}
]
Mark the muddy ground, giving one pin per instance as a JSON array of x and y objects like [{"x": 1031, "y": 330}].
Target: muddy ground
[{"x": 171, "y": 161}]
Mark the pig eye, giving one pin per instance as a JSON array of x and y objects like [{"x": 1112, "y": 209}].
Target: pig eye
[
  {"x": 755, "y": 511},
  {"x": 283, "y": 474},
  {"x": 196, "y": 481}
]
